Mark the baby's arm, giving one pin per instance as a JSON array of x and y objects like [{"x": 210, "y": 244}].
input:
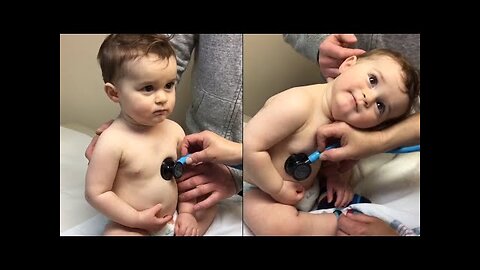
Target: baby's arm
[
  {"x": 100, "y": 176},
  {"x": 279, "y": 118},
  {"x": 186, "y": 223}
]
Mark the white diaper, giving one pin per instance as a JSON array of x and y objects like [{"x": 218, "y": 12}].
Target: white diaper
[
  {"x": 310, "y": 198},
  {"x": 168, "y": 229}
]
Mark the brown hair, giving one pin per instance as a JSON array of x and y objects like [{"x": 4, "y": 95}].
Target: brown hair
[
  {"x": 116, "y": 49},
  {"x": 411, "y": 80}
]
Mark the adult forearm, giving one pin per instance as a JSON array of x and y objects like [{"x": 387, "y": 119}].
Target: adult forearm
[
  {"x": 237, "y": 176},
  {"x": 404, "y": 133},
  {"x": 259, "y": 170},
  {"x": 183, "y": 45},
  {"x": 306, "y": 44}
]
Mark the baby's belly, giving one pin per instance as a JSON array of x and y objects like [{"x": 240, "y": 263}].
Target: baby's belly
[{"x": 144, "y": 194}]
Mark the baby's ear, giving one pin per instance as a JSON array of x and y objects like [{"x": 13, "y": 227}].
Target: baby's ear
[
  {"x": 349, "y": 62},
  {"x": 111, "y": 92}
]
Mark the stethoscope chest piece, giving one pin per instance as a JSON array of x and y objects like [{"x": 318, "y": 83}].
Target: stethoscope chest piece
[
  {"x": 298, "y": 166},
  {"x": 171, "y": 169}
]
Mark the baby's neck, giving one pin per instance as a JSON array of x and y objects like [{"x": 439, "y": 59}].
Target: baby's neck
[
  {"x": 326, "y": 100},
  {"x": 132, "y": 124}
]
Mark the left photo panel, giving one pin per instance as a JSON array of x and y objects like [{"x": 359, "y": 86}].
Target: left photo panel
[{"x": 151, "y": 134}]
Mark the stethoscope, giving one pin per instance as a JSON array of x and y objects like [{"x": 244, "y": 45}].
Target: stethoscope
[
  {"x": 298, "y": 165},
  {"x": 171, "y": 168}
]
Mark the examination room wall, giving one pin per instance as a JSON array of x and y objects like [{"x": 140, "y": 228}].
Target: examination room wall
[
  {"x": 271, "y": 65},
  {"x": 83, "y": 103}
]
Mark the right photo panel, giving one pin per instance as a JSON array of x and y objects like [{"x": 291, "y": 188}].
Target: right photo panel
[{"x": 331, "y": 137}]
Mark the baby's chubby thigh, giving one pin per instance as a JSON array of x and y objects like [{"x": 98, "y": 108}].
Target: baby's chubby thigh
[{"x": 265, "y": 216}]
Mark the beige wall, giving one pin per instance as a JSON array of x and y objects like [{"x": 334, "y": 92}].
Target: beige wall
[
  {"x": 271, "y": 65},
  {"x": 83, "y": 103}
]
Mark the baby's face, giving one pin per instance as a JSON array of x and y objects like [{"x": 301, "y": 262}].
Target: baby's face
[
  {"x": 147, "y": 91},
  {"x": 369, "y": 92}
]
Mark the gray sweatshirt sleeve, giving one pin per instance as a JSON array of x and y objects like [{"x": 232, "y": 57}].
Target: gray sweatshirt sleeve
[
  {"x": 237, "y": 176},
  {"x": 306, "y": 44},
  {"x": 183, "y": 45}
]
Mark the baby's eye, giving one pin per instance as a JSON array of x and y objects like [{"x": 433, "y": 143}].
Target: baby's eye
[
  {"x": 380, "y": 107},
  {"x": 372, "y": 79},
  {"x": 148, "y": 88},
  {"x": 170, "y": 85}
]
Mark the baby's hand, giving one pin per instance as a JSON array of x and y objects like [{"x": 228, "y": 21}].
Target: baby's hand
[
  {"x": 338, "y": 184},
  {"x": 290, "y": 193},
  {"x": 149, "y": 220},
  {"x": 186, "y": 225}
]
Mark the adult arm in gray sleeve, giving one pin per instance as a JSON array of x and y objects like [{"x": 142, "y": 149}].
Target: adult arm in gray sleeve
[
  {"x": 238, "y": 177},
  {"x": 306, "y": 44},
  {"x": 183, "y": 45}
]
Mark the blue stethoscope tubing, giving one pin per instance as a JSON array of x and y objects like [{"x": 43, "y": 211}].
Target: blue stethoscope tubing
[{"x": 401, "y": 150}]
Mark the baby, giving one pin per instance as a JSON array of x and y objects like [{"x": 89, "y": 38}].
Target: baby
[
  {"x": 374, "y": 88},
  {"x": 124, "y": 180}
]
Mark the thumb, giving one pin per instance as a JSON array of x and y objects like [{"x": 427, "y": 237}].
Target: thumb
[
  {"x": 198, "y": 157},
  {"x": 347, "y": 38},
  {"x": 335, "y": 154},
  {"x": 361, "y": 217}
]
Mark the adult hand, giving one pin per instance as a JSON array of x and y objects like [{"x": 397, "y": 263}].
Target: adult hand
[
  {"x": 361, "y": 224},
  {"x": 340, "y": 186},
  {"x": 355, "y": 144},
  {"x": 91, "y": 146},
  {"x": 207, "y": 146},
  {"x": 209, "y": 179},
  {"x": 333, "y": 51}
]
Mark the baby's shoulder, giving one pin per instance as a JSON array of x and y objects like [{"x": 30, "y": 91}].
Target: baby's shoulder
[
  {"x": 174, "y": 127},
  {"x": 295, "y": 97},
  {"x": 113, "y": 136}
]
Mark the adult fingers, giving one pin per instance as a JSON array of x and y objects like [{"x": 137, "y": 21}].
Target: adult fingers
[
  {"x": 103, "y": 127},
  {"x": 347, "y": 197},
  {"x": 361, "y": 218},
  {"x": 208, "y": 202},
  {"x": 340, "y": 194},
  {"x": 324, "y": 132},
  {"x": 329, "y": 193},
  {"x": 199, "y": 190},
  {"x": 191, "y": 183},
  {"x": 348, "y": 225},
  {"x": 90, "y": 147}
]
